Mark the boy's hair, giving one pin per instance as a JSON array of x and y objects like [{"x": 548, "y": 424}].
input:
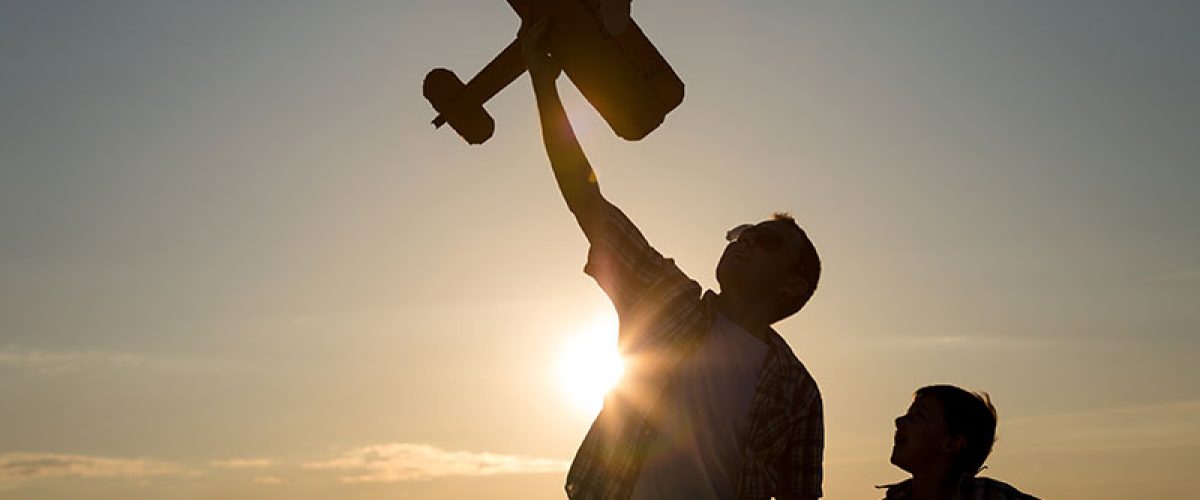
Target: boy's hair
[
  {"x": 970, "y": 415},
  {"x": 808, "y": 266}
]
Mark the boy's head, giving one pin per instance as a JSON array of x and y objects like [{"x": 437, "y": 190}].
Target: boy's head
[
  {"x": 773, "y": 260},
  {"x": 945, "y": 427}
]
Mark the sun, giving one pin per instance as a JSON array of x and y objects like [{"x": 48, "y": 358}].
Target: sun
[{"x": 589, "y": 366}]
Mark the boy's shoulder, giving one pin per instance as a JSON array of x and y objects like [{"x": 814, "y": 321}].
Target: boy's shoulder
[
  {"x": 986, "y": 487},
  {"x": 977, "y": 488}
]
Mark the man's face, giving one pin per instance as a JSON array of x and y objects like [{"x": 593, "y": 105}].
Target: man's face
[
  {"x": 922, "y": 438},
  {"x": 759, "y": 259}
]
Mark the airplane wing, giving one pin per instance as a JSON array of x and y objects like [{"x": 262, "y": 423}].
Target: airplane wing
[{"x": 615, "y": 14}]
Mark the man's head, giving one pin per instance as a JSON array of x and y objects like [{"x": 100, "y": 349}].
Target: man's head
[
  {"x": 945, "y": 427},
  {"x": 772, "y": 261}
]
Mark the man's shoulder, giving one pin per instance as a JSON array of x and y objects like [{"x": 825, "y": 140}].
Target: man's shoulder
[
  {"x": 791, "y": 383},
  {"x": 789, "y": 361}
]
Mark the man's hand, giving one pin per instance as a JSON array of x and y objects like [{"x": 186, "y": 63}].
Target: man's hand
[
  {"x": 542, "y": 67},
  {"x": 574, "y": 174}
]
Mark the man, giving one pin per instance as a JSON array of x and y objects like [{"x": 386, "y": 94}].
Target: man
[
  {"x": 713, "y": 404},
  {"x": 943, "y": 441}
]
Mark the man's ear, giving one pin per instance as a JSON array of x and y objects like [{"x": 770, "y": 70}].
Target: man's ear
[{"x": 795, "y": 286}]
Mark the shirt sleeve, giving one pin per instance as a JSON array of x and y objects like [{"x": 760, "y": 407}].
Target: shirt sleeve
[
  {"x": 638, "y": 279},
  {"x": 802, "y": 472}
]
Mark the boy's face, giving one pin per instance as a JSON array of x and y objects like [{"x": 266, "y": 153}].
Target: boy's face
[{"x": 922, "y": 438}]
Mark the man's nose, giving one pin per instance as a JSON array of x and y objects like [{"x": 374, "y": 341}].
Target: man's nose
[{"x": 899, "y": 420}]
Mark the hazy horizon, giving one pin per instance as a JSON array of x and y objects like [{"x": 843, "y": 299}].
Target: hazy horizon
[{"x": 237, "y": 261}]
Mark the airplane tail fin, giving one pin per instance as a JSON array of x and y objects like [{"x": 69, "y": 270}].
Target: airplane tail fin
[{"x": 442, "y": 88}]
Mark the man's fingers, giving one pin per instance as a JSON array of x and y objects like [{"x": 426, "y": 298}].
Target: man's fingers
[
  {"x": 533, "y": 45},
  {"x": 532, "y": 36},
  {"x": 526, "y": 28},
  {"x": 533, "y": 30},
  {"x": 526, "y": 17},
  {"x": 539, "y": 35}
]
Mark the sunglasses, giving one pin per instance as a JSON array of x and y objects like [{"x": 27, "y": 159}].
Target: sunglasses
[{"x": 766, "y": 239}]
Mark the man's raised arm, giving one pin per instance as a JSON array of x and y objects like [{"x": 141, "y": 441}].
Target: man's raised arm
[
  {"x": 619, "y": 257},
  {"x": 574, "y": 174}
]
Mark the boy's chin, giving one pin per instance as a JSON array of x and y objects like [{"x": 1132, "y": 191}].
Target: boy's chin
[{"x": 898, "y": 460}]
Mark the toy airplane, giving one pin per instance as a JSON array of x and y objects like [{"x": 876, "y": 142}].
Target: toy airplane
[{"x": 600, "y": 49}]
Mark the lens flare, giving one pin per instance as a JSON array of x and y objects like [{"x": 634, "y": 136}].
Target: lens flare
[{"x": 589, "y": 365}]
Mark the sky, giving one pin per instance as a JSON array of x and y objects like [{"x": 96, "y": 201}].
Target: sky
[{"x": 237, "y": 261}]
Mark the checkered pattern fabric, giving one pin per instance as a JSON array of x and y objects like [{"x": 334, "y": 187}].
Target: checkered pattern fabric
[{"x": 663, "y": 318}]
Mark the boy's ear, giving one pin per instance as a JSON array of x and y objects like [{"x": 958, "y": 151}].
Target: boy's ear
[{"x": 955, "y": 444}]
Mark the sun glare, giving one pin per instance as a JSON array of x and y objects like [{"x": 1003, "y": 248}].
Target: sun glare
[{"x": 589, "y": 364}]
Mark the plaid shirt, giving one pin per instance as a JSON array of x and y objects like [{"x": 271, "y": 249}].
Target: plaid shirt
[
  {"x": 976, "y": 488},
  {"x": 663, "y": 318}
]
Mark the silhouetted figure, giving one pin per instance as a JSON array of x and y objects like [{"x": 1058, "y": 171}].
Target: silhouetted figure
[
  {"x": 943, "y": 441},
  {"x": 713, "y": 404}
]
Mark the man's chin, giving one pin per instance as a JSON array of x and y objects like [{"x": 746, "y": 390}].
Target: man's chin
[{"x": 724, "y": 283}]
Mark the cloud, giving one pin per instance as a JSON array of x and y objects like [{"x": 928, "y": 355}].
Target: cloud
[
  {"x": 242, "y": 463},
  {"x": 408, "y": 462},
  {"x": 47, "y": 362},
  {"x": 17, "y": 467},
  {"x": 974, "y": 341},
  {"x": 268, "y": 480},
  {"x": 65, "y": 361}
]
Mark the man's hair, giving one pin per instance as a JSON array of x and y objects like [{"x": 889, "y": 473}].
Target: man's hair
[
  {"x": 808, "y": 266},
  {"x": 970, "y": 415}
]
